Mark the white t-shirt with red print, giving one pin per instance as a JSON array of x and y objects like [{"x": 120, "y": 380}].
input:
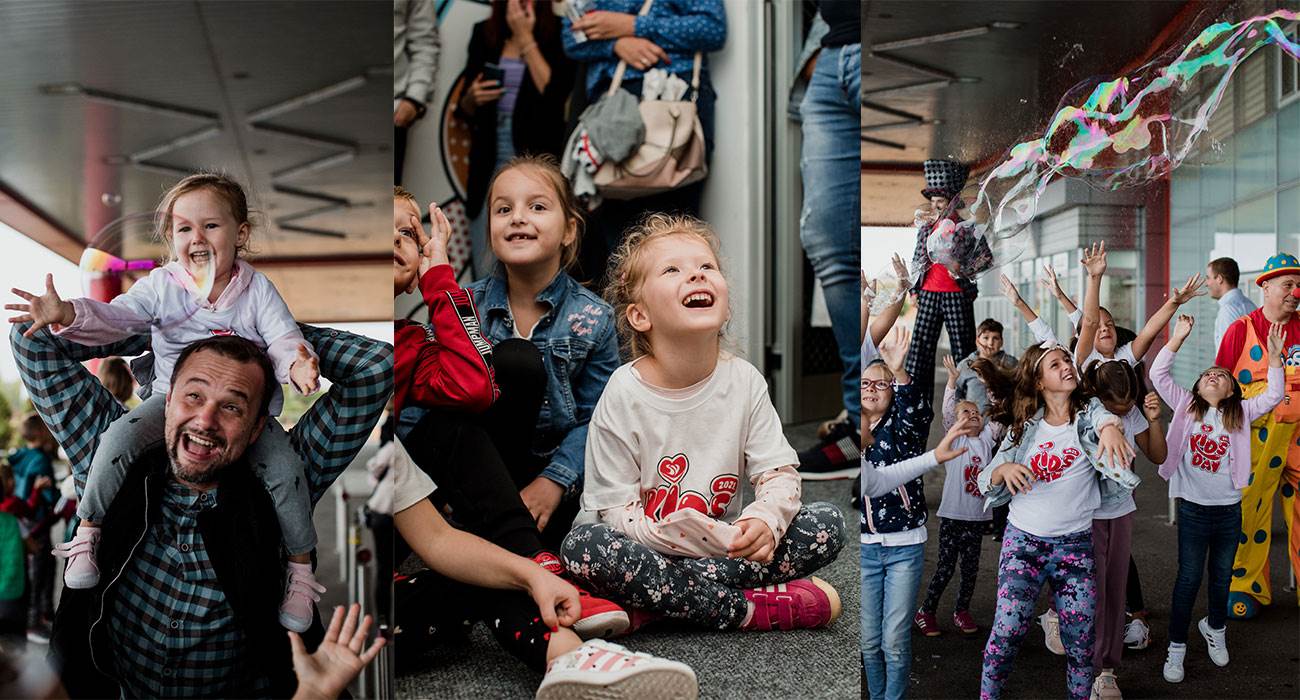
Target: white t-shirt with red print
[
  {"x": 1064, "y": 492},
  {"x": 674, "y": 452},
  {"x": 1204, "y": 476},
  {"x": 962, "y": 499}
]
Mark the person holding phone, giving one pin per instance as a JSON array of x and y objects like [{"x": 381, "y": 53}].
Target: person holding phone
[{"x": 516, "y": 64}]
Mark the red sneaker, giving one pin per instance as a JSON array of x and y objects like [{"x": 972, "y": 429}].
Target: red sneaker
[
  {"x": 805, "y": 603},
  {"x": 965, "y": 622},
  {"x": 926, "y": 623},
  {"x": 600, "y": 617}
]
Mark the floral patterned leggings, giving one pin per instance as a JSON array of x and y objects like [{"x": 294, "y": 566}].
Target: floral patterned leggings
[
  {"x": 958, "y": 539},
  {"x": 707, "y": 592},
  {"x": 1027, "y": 562}
]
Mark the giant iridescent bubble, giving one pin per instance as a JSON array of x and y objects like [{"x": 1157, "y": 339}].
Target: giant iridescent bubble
[{"x": 1123, "y": 132}]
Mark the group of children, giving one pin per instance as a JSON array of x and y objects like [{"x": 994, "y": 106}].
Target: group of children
[
  {"x": 607, "y": 439},
  {"x": 1055, "y": 444}
]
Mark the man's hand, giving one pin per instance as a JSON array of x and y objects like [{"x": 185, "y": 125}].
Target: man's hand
[
  {"x": 405, "y": 114},
  {"x": 45, "y": 310},
  {"x": 542, "y": 497},
  {"x": 754, "y": 543},
  {"x": 639, "y": 53},
  {"x": 602, "y": 24},
  {"x": 339, "y": 659},
  {"x": 304, "y": 373}
]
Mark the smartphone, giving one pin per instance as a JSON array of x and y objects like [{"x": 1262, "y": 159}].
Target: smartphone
[
  {"x": 492, "y": 71},
  {"x": 575, "y": 9}
]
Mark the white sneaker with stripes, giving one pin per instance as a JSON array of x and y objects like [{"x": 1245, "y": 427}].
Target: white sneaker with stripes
[{"x": 600, "y": 669}]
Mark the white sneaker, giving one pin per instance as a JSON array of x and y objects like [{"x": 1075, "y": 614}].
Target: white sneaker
[
  {"x": 1174, "y": 662},
  {"x": 1216, "y": 641},
  {"x": 1137, "y": 635},
  {"x": 1106, "y": 687},
  {"x": 600, "y": 669},
  {"x": 1052, "y": 632}
]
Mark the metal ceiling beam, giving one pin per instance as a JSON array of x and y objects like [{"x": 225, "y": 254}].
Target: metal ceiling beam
[
  {"x": 943, "y": 36},
  {"x": 129, "y": 102}
]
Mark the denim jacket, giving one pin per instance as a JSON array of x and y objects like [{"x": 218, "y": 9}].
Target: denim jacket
[
  {"x": 579, "y": 347},
  {"x": 1116, "y": 483}
]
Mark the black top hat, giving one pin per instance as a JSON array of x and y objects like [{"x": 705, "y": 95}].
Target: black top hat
[{"x": 944, "y": 178}]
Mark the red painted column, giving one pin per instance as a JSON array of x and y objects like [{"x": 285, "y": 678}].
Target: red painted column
[
  {"x": 101, "y": 202},
  {"x": 1155, "y": 267}
]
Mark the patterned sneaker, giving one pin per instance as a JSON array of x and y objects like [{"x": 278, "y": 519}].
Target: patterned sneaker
[
  {"x": 965, "y": 622},
  {"x": 599, "y": 669},
  {"x": 1052, "y": 632},
  {"x": 1173, "y": 671},
  {"x": 805, "y": 603},
  {"x": 1106, "y": 687},
  {"x": 834, "y": 457},
  {"x": 81, "y": 571},
  {"x": 300, "y": 597},
  {"x": 599, "y": 617},
  {"x": 1137, "y": 635},
  {"x": 926, "y": 623},
  {"x": 1216, "y": 641}
]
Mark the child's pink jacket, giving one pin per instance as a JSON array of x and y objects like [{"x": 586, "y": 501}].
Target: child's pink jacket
[{"x": 1180, "y": 428}]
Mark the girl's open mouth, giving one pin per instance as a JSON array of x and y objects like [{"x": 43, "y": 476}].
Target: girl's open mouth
[{"x": 698, "y": 300}]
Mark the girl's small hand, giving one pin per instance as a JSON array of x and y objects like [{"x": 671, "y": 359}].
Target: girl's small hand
[
  {"x": 1049, "y": 280},
  {"x": 900, "y": 271},
  {"x": 304, "y": 373},
  {"x": 46, "y": 310},
  {"x": 754, "y": 543},
  {"x": 894, "y": 349},
  {"x": 338, "y": 659},
  {"x": 1276, "y": 343},
  {"x": 1151, "y": 407},
  {"x": 944, "y": 451},
  {"x": 41, "y": 483},
  {"x": 951, "y": 365},
  {"x": 868, "y": 288},
  {"x": 1183, "y": 328},
  {"x": 557, "y": 600},
  {"x": 1195, "y": 287},
  {"x": 1009, "y": 290},
  {"x": 1018, "y": 477},
  {"x": 1094, "y": 259},
  {"x": 542, "y": 497},
  {"x": 1114, "y": 450},
  {"x": 602, "y": 24}
]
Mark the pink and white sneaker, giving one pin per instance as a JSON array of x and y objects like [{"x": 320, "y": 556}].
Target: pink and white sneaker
[
  {"x": 805, "y": 603},
  {"x": 81, "y": 571},
  {"x": 300, "y": 597},
  {"x": 600, "y": 669}
]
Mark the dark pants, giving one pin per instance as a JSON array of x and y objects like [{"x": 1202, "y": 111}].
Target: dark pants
[
  {"x": 481, "y": 462},
  {"x": 40, "y": 573},
  {"x": 1207, "y": 540},
  {"x": 934, "y": 310},
  {"x": 1135, "y": 602},
  {"x": 958, "y": 539}
]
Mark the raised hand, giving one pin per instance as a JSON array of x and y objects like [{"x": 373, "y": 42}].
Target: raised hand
[
  {"x": 520, "y": 19},
  {"x": 868, "y": 287},
  {"x": 1009, "y": 290},
  {"x": 48, "y": 309},
  {"x": 951, "y": 365},
  {"x": 894, "y": 350},
  {"x": 900, "y": 270},
  {"x": 1151, "y": 407},
  {"x": 434, "y": 250},
  {"x": 1049, "y": 280},
  {"x": 339, "y": 658},
  {"x": 1195, "y": 287},
  {"x": 304, "y": 373},
  {"x": 1094, "y": 259},
  {"x": 1276, "y": 343},
  {"x": 1183, "y": 328}
]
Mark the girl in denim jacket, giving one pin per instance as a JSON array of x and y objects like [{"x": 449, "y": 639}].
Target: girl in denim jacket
[
  {"x": 1061, "y": 446},
  {"x": 534, "y": 227}
]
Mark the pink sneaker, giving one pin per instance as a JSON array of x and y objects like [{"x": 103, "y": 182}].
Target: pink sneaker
[
  {"x": 805, "y": 603},
  {"x": 81, "y": 570},
  {"x": 965, "y": 622},
  {"x": 926, "y": 623},
  {"x": 300, "y": 596}
]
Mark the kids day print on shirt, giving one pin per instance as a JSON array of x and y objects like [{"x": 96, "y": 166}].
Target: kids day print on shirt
[
  {"x": 1050, "y": 461},
  {"x": 669, "y": 496}
]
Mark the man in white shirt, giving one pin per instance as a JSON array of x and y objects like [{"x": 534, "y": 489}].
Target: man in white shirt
[{"x": 1221, "y": 277}]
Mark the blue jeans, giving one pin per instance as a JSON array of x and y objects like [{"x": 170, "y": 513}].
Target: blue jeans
[
  {"x": 829, "y": 224},
  {"x": 1207, "y": 539},
  {"x": 890, "y": 576}
]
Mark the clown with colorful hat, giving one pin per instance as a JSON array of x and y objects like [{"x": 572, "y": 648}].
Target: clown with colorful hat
[{"x": 1275, "y": 437}]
